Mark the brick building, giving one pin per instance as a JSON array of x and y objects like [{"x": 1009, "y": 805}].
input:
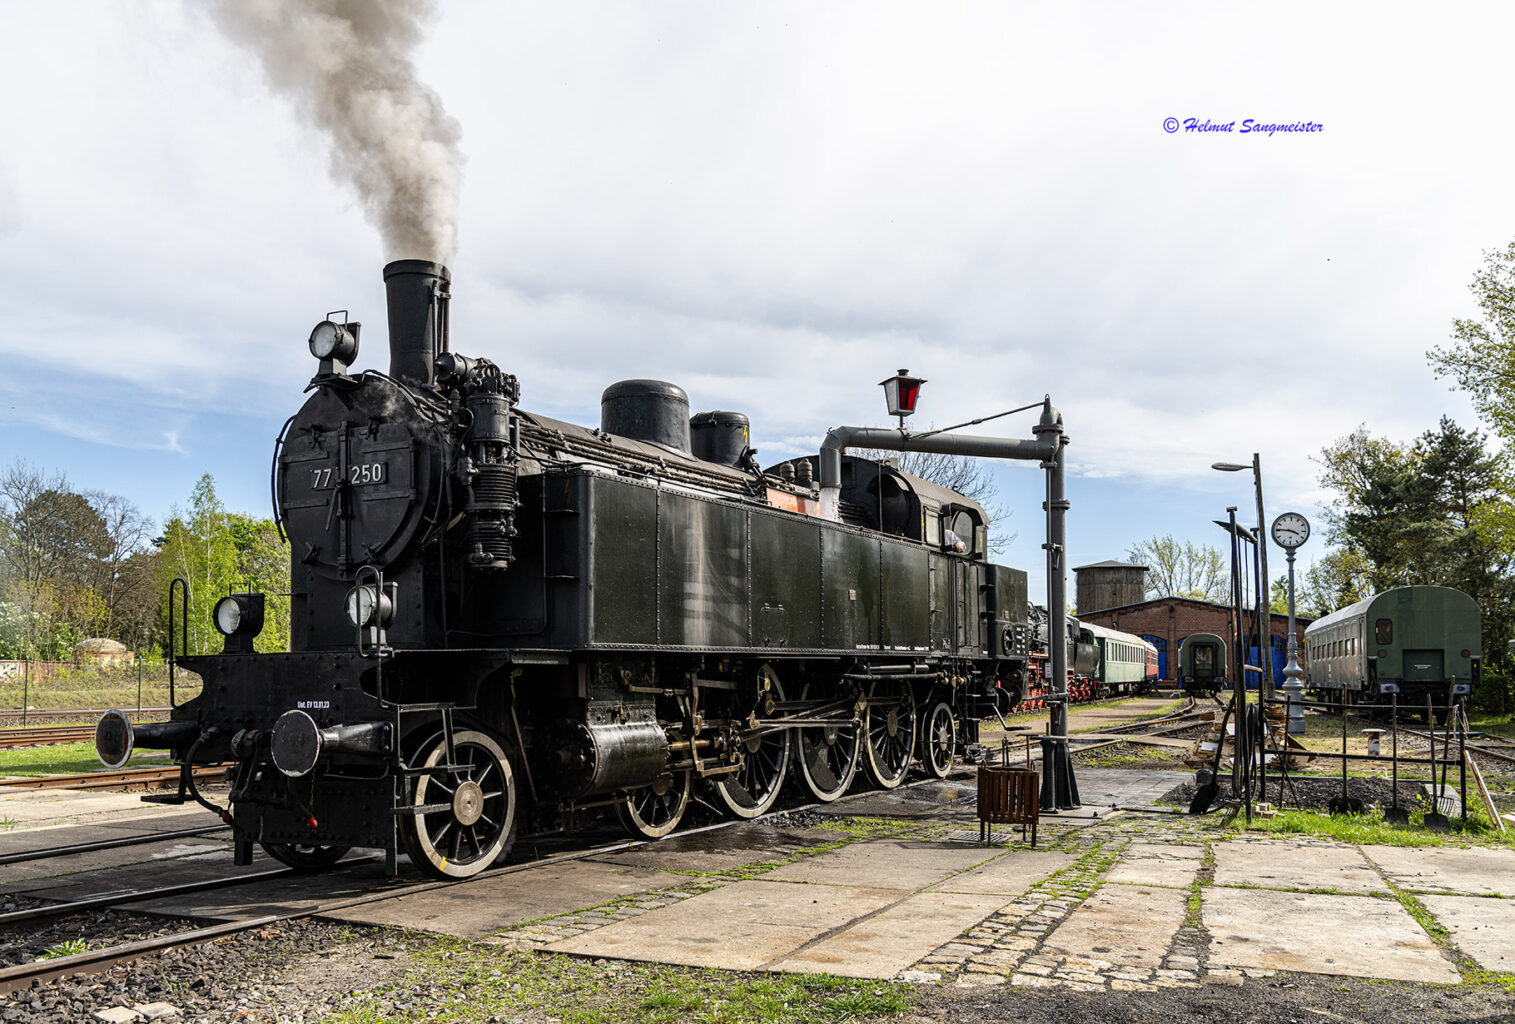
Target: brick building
[{"x": 1164, "y": 622}]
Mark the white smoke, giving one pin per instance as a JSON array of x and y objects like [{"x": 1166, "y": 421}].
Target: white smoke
[{"x": 347, "y": 66}]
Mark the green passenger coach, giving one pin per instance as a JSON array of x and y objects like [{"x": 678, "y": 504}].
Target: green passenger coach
[
  {"x": 1122, "y": 659},
  {"x": 1202, "y": 667},
  {"x": 1416, "y": 642}
]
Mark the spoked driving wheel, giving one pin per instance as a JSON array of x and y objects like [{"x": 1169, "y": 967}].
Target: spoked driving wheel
[
  {"x": 827, "y": 757},
  {"x": 305, "y": 857},
  {"x": 754, "y": 787},
  {"x": 889, "y": 723},
  {"x": 467, "y": 816},
  {"x": 656, "y": 809},
  {"x": 940, "y": 742}
]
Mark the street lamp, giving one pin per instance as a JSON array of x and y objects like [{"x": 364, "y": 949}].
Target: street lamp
[{"x": 1264, "y": 614}]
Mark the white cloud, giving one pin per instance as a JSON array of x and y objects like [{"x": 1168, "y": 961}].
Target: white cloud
[{"x": 777, "y": 205}]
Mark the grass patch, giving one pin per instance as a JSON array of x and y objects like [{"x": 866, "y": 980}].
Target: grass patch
[
  {"x": 71, "y": 947},
  {"x": 1131, "y": 755},
  {"x": 1194, "y": 907},
  {"x": 1494, "y": 725},
  {"x": 578, "y": 991},
  {"x": 68, "y": 759},
  {"x": 1370, "y": 828}
]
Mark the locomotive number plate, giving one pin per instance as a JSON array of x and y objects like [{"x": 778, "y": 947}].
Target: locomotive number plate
[{"x": 327, "y": 477}]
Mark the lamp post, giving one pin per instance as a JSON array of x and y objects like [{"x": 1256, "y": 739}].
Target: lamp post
[
  {"x": 1292, "y": 672},
  {"x": 1264, "y": 611}
]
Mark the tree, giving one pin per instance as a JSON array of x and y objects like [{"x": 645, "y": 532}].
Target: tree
[
  {"x": 63, "y": 559},
  {"x": 220, "y": 553},
  {"x": 197, "y": 546},
  {"x": 1482, "y": 356},
  {"x": 1181, "y": 570},
  {"x": 1339, "y": 578}
]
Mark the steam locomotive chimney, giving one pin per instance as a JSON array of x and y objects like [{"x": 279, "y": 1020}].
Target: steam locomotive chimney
[{"x": 418, "y": 296}]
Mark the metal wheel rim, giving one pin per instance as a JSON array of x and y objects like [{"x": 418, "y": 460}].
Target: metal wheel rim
[
  {"x": 754, "y": 788},
  {"x": 651, "y": 814},
  {"x": 442, "y": 844},
  {"x": 940, "y": 740},
  {"x": 828, "y": 759},
  {"x": 890, "y": 723}
]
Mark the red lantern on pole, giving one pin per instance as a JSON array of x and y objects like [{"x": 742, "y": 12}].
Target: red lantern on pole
[{"x": 901, "y": 392}]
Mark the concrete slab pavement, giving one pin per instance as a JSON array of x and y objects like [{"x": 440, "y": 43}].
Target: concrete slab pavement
[
  {"x": 1477, "y": 871},
  {"x": 742, "y": 926},
  {"x": 1008, "y": 875},
  {"x": 1481, "y": 927},
  {"x": 883, "y": 944},
  {"x": 1129, "y": 925},
  {"x": 490, "y": 904},
  {"x": 1296, "y": 866},
  {"x": 886, "y": 864},
  {"x": 1321, "y": 933},
  {"x": 1164, "y": 864}
]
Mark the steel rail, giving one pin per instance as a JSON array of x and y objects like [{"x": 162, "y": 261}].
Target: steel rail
[
  {"x": 109, "y": 780},
  {"x": 109, "y": 844},
  {"x": 117, "y": 899},
  {"x": 45, "y": 736}
]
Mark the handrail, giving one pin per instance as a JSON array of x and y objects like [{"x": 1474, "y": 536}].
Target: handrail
[{"x": 181, "y": 584}]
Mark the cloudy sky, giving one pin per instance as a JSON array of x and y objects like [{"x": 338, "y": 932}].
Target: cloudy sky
[{"x": 775, "y": 206}]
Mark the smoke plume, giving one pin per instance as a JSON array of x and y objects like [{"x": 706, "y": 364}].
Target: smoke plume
[{"x": 347, "y": 66}]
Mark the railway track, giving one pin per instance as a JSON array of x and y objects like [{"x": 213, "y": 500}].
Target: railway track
[
  {"x": 1503, "y": 756},
  {"x": 66, "y": 714},
  {"x": 127, "y": 778},
  {"x": 51, "y": 852},
  {"x": 46, "y": 735}
]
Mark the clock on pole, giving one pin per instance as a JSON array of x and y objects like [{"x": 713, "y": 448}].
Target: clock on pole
[{"x": 1290, "y": 531}]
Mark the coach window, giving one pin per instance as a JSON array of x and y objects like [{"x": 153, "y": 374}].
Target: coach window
[{"x": 1383, "y": 631}]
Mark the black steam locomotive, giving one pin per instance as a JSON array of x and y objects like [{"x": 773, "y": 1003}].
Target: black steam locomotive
[{"x": 500, "y": 621}]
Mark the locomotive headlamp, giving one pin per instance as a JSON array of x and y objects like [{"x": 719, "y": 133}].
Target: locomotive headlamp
[
  {"x": 239, "y": 618},
  {"x": 368, "y": 606},
  {"x": 901, "y": 392},
  {"x": 335, "y": 344},
  {"x": 239, "y": 613}
]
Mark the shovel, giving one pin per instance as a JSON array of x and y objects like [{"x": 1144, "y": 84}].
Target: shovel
[
  {"x": 1344, "y": 804},
  {"x": 1396, "y": 815},
  {"x": 1205, "y": 795},
  {"x": 1435, "y": 820}
]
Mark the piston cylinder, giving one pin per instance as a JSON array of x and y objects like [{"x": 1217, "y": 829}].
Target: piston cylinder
[{"x": 601, "y": 758}]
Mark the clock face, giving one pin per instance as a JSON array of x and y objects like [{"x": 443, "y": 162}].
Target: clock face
[{"x": 1290, "y": 530}]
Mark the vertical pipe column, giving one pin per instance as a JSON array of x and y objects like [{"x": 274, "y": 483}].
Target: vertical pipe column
[
  {"x": 1265, "y": 590},
  {"x": 1059, "y": 788}
]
